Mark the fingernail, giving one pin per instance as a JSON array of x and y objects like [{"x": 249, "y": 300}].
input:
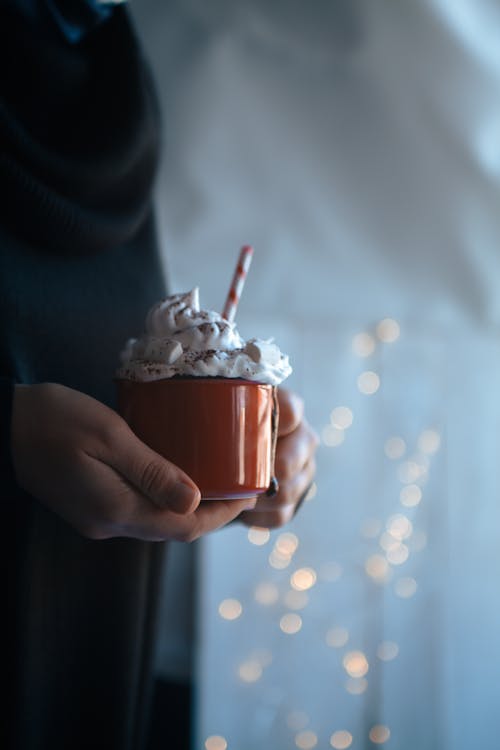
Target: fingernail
[
  {"x": 251, "y": 505},
  {"x": 183, "y": 497}
]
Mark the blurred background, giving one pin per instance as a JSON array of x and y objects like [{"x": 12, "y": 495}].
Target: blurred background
[{"x": 356, "y": 145}]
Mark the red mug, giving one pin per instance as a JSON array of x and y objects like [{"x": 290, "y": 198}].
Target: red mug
[{"x": 221, "y": 431}]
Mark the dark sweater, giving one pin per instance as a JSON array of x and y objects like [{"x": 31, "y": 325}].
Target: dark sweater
[{"x": 78, "y": 270}]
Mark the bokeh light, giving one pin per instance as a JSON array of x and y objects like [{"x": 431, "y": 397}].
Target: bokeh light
[
  {"x": 410, "y": 495},
  {"x": 387, "y": 650},
  {"x": 337, "y": 637},
  {"x": 303, "y": 579},
  {"x": 341, "y": 739},
  {"x": 355, "y": 664},
  {"x": 394, "y": 447},
  {"x": 332, "y": 436},
  {"x": 379, "y": 734},
  {"x": 405, "y": 587},
  {"x": 429, "y": 441},
  {"x": 377, "y": 567},
  {"x": 258, "y": 536},
  {"x": 291, "y": 623},
  {"x": 215, "y": 742},
  {"x": 306, "y": 739},
  {"x": 368, "y": 382},
  {"x": 230, "y": 609},
  {"x": 250, "y": 670},
  {"x": 363, "y": 344},
  {"x": 388, "y": 330},
  {"x": 341, "y": 417}
]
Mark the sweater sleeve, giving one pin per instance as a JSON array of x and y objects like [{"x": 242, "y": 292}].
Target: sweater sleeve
[{"x": 6, "y": 399}]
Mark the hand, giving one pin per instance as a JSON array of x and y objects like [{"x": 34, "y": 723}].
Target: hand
[
  {"x": 295, "y": 465},
  {"x": 82, "y": 461}
]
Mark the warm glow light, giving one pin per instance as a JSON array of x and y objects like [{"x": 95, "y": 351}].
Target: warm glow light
[
  {"x": 399, "y": 526},
  {"x": 291, "y": 623},
  {"x": 429, "y": 441},
  {"x": 215, "y": 742},
  {"x": 405, "y": 587},
  {"x": 297, "y": 720},
  {"x": 341, "y": 740},
  {"x": 250, "y": 671},
  {"x": 337, "y": 637},
  {"x": 398, "y": 555},
  {"x": 332, "y": 436},
  {"x": 377, "y": 568},
  {"x": 330, "y": 571},
  {"x": 286, "y": 544},
  {"x": 394, "y": 447},
  {"x": 266, "y": 593},
  {"x": 258, "y": 536},
  {"x": 368, "y": 382},
  {"x": 363, "y": 344},
  {"x": 306, "y": 740},
  {"x": 355, "y": 664},
  {"x": 370, "y": 528},
  {"x": 379, "y": 734},
  {"x": 230, "y": 609},
  {"x": 410, "y": 495},
  {"x": 388, "y": 330},
  {"x": 296, "y": 599},
  {"x": 341, "y": 417},
  {"x": 356, "y": 686},
  {"x": 303, "y": 579},
  {"x": 387, "y": 650}
]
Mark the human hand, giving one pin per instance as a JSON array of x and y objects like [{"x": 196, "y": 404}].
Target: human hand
[
  {"x": 81, "y": 460},
  {"x": 295, "y": 465}
]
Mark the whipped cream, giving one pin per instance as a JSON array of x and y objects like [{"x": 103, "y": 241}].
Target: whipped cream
[{"x": 181, "y": 339}]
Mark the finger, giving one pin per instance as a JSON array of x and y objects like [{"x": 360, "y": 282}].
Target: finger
[
  {"x": 268, "y": 519},
  {"x": 164, "y": 483},
  {"x": 291, "y": 411},
  {"x": 290, "y": 491},
  {"x": 293, "y": 451},
  {"x": 209, "y": 516}
]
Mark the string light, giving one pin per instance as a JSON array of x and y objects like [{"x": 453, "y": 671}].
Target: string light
[
  {"x": 337, "y": 637},
  {"x": 258, "y": 536},
  {"x": 291, "y": 623},
  {"x": 306, "y": 739},
  {"x": 379, "y": 734},
  {"x": 341, "y": 417},
  {"x": 341, "y": 739},
  {"x": 388, "y": 330},
  {"x": 363, "y": 344},
  {"x": 368, "y": 382},
  {"x": 394, "y": 447},
  {"x": 215, "y": 742},
  {"x": 355, "y": 664},
  {"x": 230, "y": 609}
]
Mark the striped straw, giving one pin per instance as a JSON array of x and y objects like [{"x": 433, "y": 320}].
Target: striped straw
[{"x": 237, "y": 283}]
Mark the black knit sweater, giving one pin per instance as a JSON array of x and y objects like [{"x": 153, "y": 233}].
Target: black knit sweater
[{"x": 78, "y": 270}]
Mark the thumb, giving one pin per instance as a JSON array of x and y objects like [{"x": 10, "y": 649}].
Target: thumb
[{"x": 164, "y": 483}]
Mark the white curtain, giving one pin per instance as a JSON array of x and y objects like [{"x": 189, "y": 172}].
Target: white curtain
[{"x": 356, "y": 145}]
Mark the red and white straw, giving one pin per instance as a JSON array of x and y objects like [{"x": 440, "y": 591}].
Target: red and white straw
[{"x": 237, "y": 283}]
